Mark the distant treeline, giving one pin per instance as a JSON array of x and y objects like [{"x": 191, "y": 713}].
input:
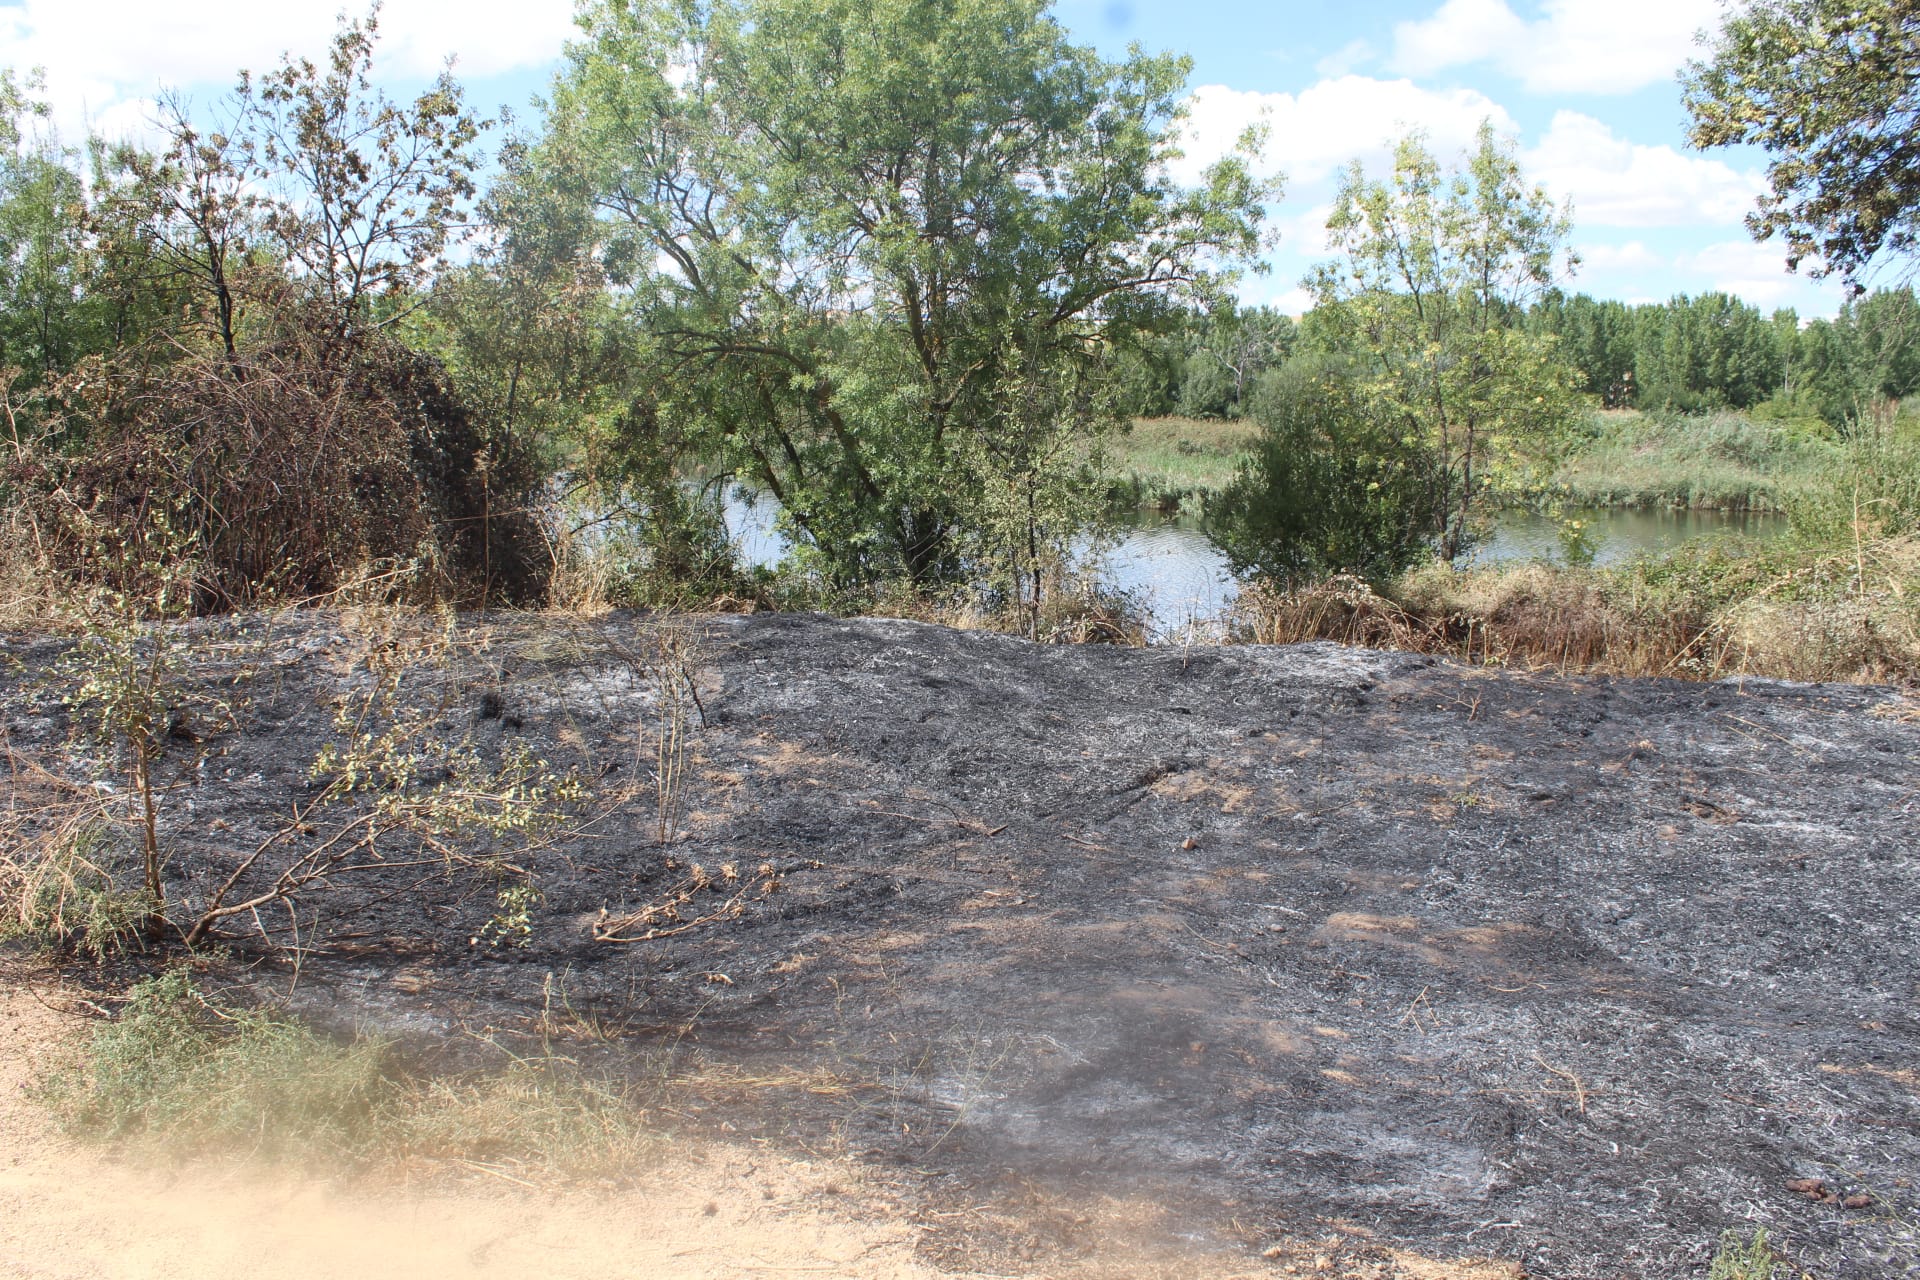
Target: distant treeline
[
  {"x": 1688, "y": 354},
  {"x": 1715, "y": 351}
]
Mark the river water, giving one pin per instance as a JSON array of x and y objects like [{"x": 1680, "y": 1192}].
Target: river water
[{"x": 1184, "y": 583}]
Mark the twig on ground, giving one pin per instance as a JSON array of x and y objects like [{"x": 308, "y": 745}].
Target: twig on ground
[{"x": 1579, "y": 1086}]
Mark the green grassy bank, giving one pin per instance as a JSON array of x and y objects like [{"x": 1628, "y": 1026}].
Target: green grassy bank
[{"x": 1173, "y": 463}]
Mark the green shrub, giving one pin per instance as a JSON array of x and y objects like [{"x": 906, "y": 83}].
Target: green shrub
[
  {"x": 1870, "y": 490},
  {"x": 1744, "y": 1260},
  {"x": 178, "y": 1069},
  {"x": 181, "y": 1074},
  {"x": 1331, "y": 488}
]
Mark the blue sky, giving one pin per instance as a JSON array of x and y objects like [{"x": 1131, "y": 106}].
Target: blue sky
[{"x": 1585, "y": 87}]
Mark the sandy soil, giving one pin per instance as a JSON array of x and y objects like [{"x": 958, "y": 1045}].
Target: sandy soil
[{"x": 68, "y": 1212}]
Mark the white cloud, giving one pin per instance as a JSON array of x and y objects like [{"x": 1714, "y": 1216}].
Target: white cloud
[
  {"x": 1346, "y": 59},
  {"x": 1754, "y": 272},
  {"x": 1616, "y": 183},
  {"x": 1463, "y": 31},
  {"x": 1315, "y": 132},
  {"x": 1574, "y": 46},
  {"x": 1306, "y": 233},
  {"x": 1618, "y": 259},
  {"x": 99, "y": 54},
  {"x": 1294, "y": 302}
]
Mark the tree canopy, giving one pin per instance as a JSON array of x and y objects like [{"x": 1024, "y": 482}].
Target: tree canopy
[
  {"x": 886, "y": 248},
  {"x": 1831, "y": 89},
  {"x": 1435, "y": 269}
]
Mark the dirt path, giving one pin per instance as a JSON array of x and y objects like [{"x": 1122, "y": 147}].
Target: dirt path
[{"x": 68, "y": 1212}]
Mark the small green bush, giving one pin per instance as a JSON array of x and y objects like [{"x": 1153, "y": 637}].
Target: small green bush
[
  {"x": 181, "y": 1074},
  {"x": 1331, "y": 488},
  {"x": 1752, "y": 1259},
  {"x": 193, "y": 1076}
]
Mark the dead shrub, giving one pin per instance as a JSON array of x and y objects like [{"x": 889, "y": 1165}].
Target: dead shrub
[
  {"x": 293, "y": 466},
  {"x": 1344, "y": 609}
]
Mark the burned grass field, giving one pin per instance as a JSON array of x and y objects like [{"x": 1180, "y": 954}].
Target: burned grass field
[{"x": 1291, "y": 944}]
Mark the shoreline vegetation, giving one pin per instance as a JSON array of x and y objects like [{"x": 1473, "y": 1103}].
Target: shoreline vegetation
[
  {"x": 1831, "y": 598},
  {"x": 1721, "y": 460},
  {"x": 199, "y": 419}
]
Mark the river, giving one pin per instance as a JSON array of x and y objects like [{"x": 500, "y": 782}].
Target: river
[{"x": 1184, "y": 582}]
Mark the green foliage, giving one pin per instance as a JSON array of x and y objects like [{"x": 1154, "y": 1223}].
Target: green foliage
[
  {"x": 1715, "y": 352},
  {"x": 528, "y": 330},
  {"x": 1579, "y": 541},
  {"x": 1705, "y": 352},
  {"x": 1226, "y": 352},
  {"x": 176, "y": 1068},
  {"x": 1868, "y": 492},
  {"x": 404, "y": 779},
  {"x": 49, "y": 274},
  {"x": 511, "y": 925},
  {"x": 1599, "y": 339},
  {"x": 66, "y": 891},
  {"x": 1752, "y": 1259},
  {"x": 1827, "y": 88},
  {"x": 1435, "y": 273},
  {"x": 883, "y": 250},
  {"x": 1333, "y": 486},
  {"x": 183, "y": 1073}
]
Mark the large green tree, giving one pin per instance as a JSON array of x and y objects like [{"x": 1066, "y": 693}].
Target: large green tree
[
  {"x": 1831, "y": 89},
  {"x": 887, "y": 249},
  {"x": 1435, "y": 271}
]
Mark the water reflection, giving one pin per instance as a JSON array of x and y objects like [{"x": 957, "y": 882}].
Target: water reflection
[
  {"x": 1184, "y": 583},
  {"x": 1617, "y": 535}
]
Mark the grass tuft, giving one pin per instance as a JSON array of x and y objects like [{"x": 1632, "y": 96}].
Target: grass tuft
[
  {"x": 1751, "y": 1259},
  {"x": 181, "y": 1075}
]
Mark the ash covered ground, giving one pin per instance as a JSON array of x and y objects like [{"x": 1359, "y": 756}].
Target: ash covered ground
[{"x": 1574, "y": 972}]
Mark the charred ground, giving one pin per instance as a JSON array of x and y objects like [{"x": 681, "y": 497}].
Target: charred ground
[{"x": 1573, "y": 972}]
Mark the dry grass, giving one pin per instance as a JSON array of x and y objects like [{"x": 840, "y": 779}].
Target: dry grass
[
  {"x": 1832, "y": 615},
  {"x": 179, "y": 1074},
  {"x": 68, "y": 881},
  {"x": 31, "y": 596}
]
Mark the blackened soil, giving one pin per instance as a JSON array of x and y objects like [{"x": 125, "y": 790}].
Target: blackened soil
[{"x": 1575, "y": 972}]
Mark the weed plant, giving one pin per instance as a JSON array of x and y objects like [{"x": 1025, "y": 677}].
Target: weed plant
[
  {"x": 180, "y": 1074},
  {"x": 1745, "y": 1259},
  {"x": 66, "y": 892}
]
